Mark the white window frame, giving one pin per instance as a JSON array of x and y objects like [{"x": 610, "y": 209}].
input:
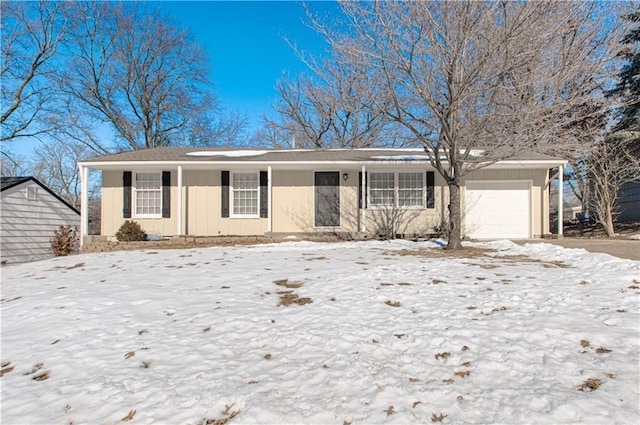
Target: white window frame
[
  {"x": 423, "y": 180},
  {"x": 233, "y": 191},
  {"x": 32, "y": 193},
  {"x": 135, "y": 191},
  {"x": 371, "y": 190},
  {"x": 396, "y": 191}
]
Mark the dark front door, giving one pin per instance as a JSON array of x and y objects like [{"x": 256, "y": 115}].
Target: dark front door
[{"x": 327, "y": 199}]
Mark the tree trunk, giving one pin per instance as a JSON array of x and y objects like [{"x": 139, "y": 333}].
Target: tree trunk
[
  {"x": 455, "y": 216},
  {"x": 607, "y": 223}
]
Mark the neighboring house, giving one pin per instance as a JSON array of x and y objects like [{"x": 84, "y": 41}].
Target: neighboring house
[
  {"x": 29, "y": 214},
  {"x": 209, "y": 192},
  {"x": 628, "y": 203}
]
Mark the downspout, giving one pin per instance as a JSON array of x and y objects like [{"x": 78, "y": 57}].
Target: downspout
[
  {"x": 560, "y": 206},
  {"x": 180, "y": 207},
  {"x": 84, "y": 203}
]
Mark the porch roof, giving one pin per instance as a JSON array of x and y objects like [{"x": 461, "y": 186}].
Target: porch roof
[{"x": 291, "y": 157}]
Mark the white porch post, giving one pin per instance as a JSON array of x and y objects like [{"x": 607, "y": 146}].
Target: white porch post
[
  {"x": 180, "y": 208},
  {"x": 84, "y": 202},
  {"x": 363, "y": 196},
  {"x": 560, "y": 194},
  {"x": 269, "y": 203}
]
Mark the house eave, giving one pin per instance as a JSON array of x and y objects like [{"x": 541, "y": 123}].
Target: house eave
[{"x": 199, "y": 165}]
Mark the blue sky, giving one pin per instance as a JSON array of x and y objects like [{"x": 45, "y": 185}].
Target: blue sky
[
  {"x": 245, "y": 41},
  {"x": 246, "y": 45}
]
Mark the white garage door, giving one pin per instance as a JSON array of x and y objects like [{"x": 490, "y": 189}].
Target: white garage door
[{"x": 498, "y": 209}]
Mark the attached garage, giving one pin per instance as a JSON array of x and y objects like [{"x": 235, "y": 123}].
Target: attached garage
[{"x": 498, "y": 209}]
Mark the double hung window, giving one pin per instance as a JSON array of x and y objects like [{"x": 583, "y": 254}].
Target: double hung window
[
  {"x": 245, "y": 190},
  {"x": 396, "y": 190},
  {"x": 148, "y": 195},
  {"x": 381, "y": 189}
]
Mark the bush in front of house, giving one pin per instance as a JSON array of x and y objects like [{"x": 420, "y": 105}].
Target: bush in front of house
[
  {"x": 64, "y": 241},
  {"x": 130, "y": 231}
]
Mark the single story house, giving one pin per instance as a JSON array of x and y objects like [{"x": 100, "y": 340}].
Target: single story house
[
  {"x": 213, "y": 191},
  {"x": 29, "y": 214}
]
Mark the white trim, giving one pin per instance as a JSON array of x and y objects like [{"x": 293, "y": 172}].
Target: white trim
[
  {"x": 560, "y": 199},
  {"x": 363, "y": 196},
  {"x": 180, "y": 206},
  {"x": 33, "y": 190},
  {"x": 134, "y": 197},
  {"x": 396, "y": 190},
  {"x": 118, "y": 165},
  {"x": 269, "y": 206},
  {"x": 84, "y": 202},
  {"x": 232, "y": 215}
]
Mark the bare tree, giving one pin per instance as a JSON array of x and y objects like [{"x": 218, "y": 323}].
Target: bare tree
[
  {"x": 12, "y": 165},
  {"x": 580, "y": 140},
  {"x": 54, "y": 164},
  {"x": 615, "y": 161},
  {"x": 611, "y": 164},
  {"x": 334, "y": 108},
  {"x": 32, "y": 33},
  {"x": 141, "y": 77},
  {"x": 474, "y": 82}
]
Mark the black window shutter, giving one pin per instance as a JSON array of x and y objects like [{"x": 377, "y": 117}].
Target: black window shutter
[
  {"x": 431, "y": 199},
  {"x": 224, "y": 212},
  {"x": 264, "y": 199},
  {"x": 166, "y": 194},
  {"x": 360, "y": 190},
  {"x": 126, "y": 192}
]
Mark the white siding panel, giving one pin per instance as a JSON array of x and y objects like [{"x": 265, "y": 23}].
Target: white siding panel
[{"x": 27, "y": 226}]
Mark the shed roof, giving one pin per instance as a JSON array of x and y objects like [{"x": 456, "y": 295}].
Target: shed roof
[{"x": 9, "y": 182}]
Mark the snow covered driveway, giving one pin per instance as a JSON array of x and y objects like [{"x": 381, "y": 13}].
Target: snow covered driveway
[{"x": 301, "y": 332}]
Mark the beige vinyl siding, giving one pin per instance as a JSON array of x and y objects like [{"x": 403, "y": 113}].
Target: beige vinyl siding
[
  {"x": 292, "y": 199},
  {"x": 418, "y": 221},
  {"x": 201, "y": 196},
  {"x": 112, "y": 217},
  {"x": 202, "y": 202},
  {"x": 539, "y": 193},
  {"x": 27, "y": 226},
  {"x": 292, "y": 204},
  {"x": 202, "y": 199},
  {"x": 349, "y": 214}
]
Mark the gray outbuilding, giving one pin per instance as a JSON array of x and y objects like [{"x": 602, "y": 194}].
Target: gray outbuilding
[{"x": 30, "y": 212}]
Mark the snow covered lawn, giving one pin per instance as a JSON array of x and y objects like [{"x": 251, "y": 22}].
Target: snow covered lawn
[{"x": 301, "y": 332}]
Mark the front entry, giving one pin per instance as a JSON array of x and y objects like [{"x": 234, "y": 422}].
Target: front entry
[{"x": 327, "y": 199}]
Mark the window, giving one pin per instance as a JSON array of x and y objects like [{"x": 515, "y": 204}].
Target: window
[
  {"x": 381, "y": 189},
  {"x": 245, "y": 194},
  {"x": 398, "y": 190},
  {"x": 148, "y": 195},
  {"x": 410, "y": 189},
  {"x": 32, "y": 193}
]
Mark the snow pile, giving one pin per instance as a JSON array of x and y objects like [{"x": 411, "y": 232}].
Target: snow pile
[
  {"x": 300, "y": 332},
  {"x": 230, "y": 154},
  {"x": 402, "y": 157}
]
